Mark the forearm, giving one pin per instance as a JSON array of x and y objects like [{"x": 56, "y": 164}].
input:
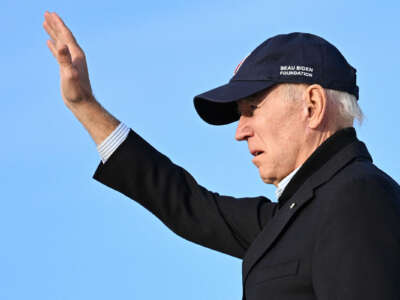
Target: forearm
[{"x": 95, "y": 119}]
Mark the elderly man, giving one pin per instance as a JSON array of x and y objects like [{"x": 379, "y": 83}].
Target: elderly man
[{"x": 335, "y": 231}]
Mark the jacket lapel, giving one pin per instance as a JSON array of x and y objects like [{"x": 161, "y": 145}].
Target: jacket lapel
[{"x": 305, "y": 193}]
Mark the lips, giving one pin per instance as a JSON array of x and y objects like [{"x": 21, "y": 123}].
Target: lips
[
  {"x": 256, "y": 152},
  {"x": 256, "y": 160}
]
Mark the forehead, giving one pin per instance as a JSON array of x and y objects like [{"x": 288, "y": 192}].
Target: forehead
[
  {"x": 248, "y": 105},
  {"x": 260, "y": 96},
  {"x": 255, "y": 99}
]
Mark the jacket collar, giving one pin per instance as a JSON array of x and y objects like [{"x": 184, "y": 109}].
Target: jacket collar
[
  {"x": 318, "y": 158},
  {"x": 331, "y": 157}
]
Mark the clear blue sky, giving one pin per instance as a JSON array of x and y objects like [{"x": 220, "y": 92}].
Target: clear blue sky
[{"x": 64, "y": 235}]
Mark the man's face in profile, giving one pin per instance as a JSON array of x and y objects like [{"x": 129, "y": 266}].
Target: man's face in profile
[{"x": 274, "y": 128}]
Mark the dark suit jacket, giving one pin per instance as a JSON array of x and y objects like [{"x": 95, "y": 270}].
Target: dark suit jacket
[{"x": 336, "y": 235}]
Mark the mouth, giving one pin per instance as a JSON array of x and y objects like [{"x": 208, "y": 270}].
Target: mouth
[
  {"x": 255, "y": 159},
  {"x": 256, "y": 153}
]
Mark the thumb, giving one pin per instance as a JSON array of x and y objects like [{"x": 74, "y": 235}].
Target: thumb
[{"x": 64, "y": 56}]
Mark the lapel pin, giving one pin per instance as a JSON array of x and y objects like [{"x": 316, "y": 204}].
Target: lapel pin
[{"x": 292, "y": 205}]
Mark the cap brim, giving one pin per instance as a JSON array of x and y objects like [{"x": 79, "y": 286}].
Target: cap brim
[{"x": 218, "y": 106}]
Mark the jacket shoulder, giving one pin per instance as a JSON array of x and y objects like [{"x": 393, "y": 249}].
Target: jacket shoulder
[{"x": 361, "y": 192}]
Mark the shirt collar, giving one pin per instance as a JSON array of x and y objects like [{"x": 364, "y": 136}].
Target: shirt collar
[{"x": 284, "y": 182}]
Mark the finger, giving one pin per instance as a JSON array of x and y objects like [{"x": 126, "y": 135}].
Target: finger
[
  {"x": 64, "y": 56},
  {"x": 48, "y": 18},
  {"x": 58, "y": 19},
  {"x": 49, "y": 30},
  {"x": 62, "y": 29},
  {"x": 65, "y": 36},
  {"x": 52, "y": 48},
  {"x": 56, "y": 28}
]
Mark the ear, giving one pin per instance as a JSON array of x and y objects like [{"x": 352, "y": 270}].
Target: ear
[{"x": 316, "y": 104}]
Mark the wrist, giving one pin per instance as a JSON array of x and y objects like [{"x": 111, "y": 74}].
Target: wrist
[
  {"x": 95, "y": 118},
  {"x": 74, "y": 105}
]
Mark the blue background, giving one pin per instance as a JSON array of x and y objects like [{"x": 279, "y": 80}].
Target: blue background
[{"x": 66, "y": 236}]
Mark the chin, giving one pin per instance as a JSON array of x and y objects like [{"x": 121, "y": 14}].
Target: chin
[{"x": 267, "y": 179}]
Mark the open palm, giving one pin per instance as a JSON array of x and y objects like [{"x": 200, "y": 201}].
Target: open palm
[{"x": 75, "y": 83}]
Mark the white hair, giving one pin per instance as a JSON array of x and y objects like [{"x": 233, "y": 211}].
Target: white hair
[{"x": 346, "y": 103}]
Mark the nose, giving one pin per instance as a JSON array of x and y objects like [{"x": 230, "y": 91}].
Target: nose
[{"x": 243, "y": 130}]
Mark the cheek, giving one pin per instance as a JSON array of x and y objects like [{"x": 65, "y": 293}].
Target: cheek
[
  {"x": 278, "y": 129},
  {"x": 272, "y": 137},
  {"x": 280, "y": 141}
]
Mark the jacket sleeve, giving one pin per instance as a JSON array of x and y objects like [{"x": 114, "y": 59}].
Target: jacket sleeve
[
  {"x": 357, "y": 254},
  {"x": 222, "y": 223}
]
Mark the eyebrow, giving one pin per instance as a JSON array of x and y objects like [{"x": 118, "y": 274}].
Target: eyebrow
[{"x": 250, "y": 99}]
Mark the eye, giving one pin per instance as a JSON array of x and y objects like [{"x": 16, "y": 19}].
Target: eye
[
  {"x": 247, "y": 110},
  {"x": 247, "y": 107},
  {"x": 253, "y": 107}
]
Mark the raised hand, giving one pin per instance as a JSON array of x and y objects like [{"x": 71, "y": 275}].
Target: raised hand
[{"x": 75, "y": 83}]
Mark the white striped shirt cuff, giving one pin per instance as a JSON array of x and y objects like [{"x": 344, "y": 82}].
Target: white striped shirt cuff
[{"x": 112, "y": 142}]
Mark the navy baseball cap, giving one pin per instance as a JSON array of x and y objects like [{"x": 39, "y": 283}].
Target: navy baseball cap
[{"x": 285, "y": 58}]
